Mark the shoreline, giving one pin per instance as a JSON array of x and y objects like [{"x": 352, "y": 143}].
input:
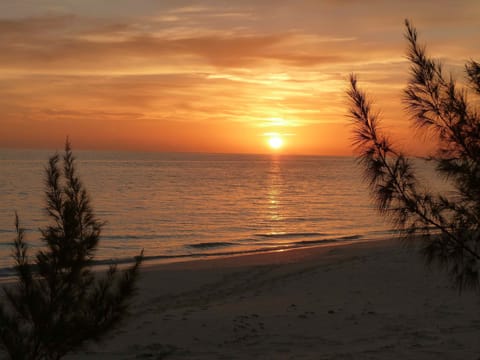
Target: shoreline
[
  {"x": 255, "y": 257},
  {"x": 7, "y": 273},
  {"x": 369, "y": 300}
]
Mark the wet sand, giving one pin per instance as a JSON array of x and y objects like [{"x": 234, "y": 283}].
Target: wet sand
[{"x": 371, "y": 300}]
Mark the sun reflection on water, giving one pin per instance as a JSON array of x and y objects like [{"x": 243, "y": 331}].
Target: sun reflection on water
[{"x": 275, "y": 185}]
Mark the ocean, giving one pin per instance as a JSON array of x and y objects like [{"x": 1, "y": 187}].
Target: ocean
[{"x": 177, "y": 206}]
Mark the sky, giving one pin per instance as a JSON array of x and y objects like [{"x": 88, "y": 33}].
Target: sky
[{"x": 214, "y": 76}]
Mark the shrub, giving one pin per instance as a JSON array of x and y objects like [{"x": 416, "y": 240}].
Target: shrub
[
  {"x": 59, "y": 303},
  {"x": 446, "y": 224}
]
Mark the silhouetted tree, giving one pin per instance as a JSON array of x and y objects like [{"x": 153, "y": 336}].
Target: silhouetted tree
[
  {"x": 59, "y": 303},
  {"x": 448, "y": 226}
]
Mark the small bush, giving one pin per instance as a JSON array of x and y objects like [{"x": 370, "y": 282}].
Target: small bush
[
  {"x": 447, "y": 225},
  {"x": 59, "y": 303}
]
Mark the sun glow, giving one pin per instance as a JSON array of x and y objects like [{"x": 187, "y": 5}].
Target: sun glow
[{"x": 275, "y": 142}]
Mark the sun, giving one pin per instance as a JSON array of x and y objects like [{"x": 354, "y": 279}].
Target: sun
[{"x": 275, "y": 142}]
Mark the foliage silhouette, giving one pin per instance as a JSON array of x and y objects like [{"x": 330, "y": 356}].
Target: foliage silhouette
[
  {"x": 448, "y": 226},
  {"x": 58, "y": 303}
]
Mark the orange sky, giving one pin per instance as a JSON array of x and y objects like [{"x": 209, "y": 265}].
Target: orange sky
[{"x": 212, "y": 76}]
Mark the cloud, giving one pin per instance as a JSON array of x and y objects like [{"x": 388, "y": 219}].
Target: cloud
[
  {"x": 33, "y": 26},
  {"x": 137, "y": 52},
  {"x": 71, "y": 43},
  {"x": 252, "y": 66}
]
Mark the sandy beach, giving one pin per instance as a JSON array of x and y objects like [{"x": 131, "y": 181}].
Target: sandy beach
[{"x": 371, "y": 300}]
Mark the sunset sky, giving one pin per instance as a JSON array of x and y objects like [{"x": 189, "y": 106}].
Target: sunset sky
[{"x": 212, "y": 76}]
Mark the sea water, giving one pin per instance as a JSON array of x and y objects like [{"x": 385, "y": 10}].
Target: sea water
[{"x": 179, "y": 205}]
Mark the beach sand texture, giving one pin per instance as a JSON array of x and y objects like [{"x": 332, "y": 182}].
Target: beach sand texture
[{"x": 371, "y": 300}]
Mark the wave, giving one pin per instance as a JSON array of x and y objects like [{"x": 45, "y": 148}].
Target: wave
[
  {"x": 330, "y": 240},
  {"x": 305, "y": 243},
  {"x": 7, "y": 272},
  {"x": 209, "y": 245},
  {"x": 287, "y": 235},
  {"x": 137, "y": 237}
]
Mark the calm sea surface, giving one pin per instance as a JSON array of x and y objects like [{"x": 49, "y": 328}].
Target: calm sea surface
[{"x": 188, "y": 205}]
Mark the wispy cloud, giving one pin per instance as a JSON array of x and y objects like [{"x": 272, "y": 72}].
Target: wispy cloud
[{"x": 223, "y": 69}]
